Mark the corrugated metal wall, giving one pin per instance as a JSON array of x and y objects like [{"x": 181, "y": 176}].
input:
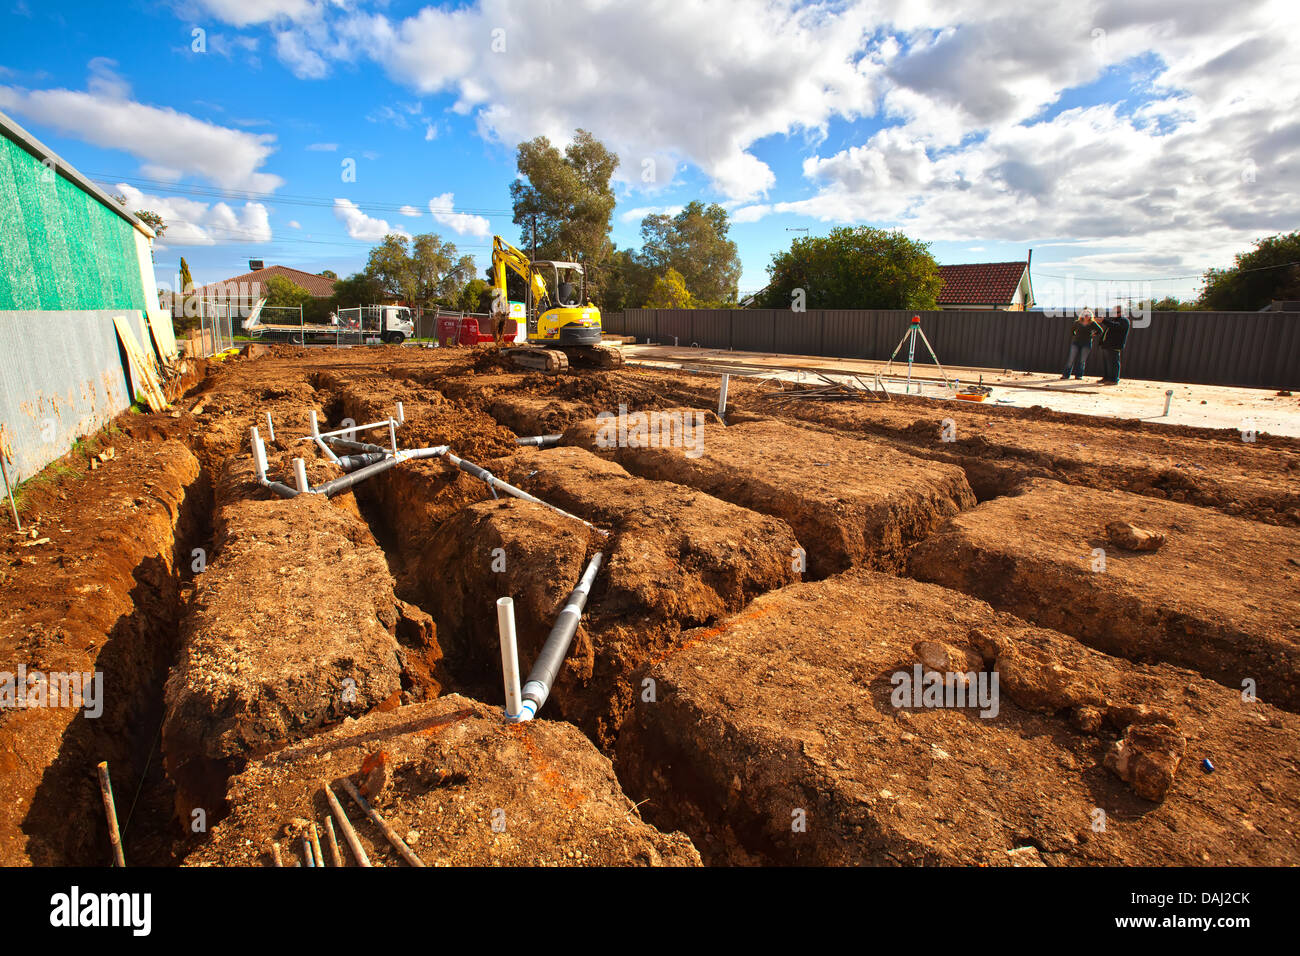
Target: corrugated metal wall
[
  {"x": 62, "y": 375},
  {"x": 1251, "y": 349}
]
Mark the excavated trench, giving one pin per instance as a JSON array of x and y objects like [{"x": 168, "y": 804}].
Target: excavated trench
[{"x": 747, "y": 595}]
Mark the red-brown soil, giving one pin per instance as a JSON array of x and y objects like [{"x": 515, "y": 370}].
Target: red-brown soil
[
  {"x": 1219, "y": 597},
  {"x": 96, "y": 590},
  {"x": 850, "y": 502},
  {"x": 787, "y": 707},
  {"x": 753, "y": 710},
  {"x": 293, "y": 626},
  {"x": 466, "y": 790}
]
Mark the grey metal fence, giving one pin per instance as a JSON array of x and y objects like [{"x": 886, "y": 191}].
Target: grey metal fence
[
  {"x": 62, "y": 375},
  {"x": 1250, "y": 349}
]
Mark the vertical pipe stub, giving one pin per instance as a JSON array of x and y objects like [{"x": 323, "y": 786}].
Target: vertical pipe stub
[
  {"x": 722, "y": 396},
  {"x": 401, "y": 414},
  {"x": 300, "y": 475},
  {"x": 509, "y": 657},
  {"x": 270, "y": 429},
  {"x": 1169, "y": 398},
  {"x": 259, "y": 453}
]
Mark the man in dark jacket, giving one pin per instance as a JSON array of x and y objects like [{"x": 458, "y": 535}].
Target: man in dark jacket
[
  {"x": 1081, "y": 333},
  {"x": 1114, "y": 333}
]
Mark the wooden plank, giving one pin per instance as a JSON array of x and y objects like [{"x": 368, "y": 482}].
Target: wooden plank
[{"x": 153, "y": 393}]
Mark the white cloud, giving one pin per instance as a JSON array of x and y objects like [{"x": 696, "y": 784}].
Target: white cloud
[
  {"x": 411, "y": 212},
  {"x": 294, "y": 224},
  {"x": 698, "y": 81},
  {"x": 161, "y": 137},
  {"x": 361, "y": 226},
  {"x": 241, "y": 13},
  {"x": 323, "y": 148},
  {"x": 441, "y": 209},
  {"x": 640, "y": 212},
  {"x": 193, "y": 223}
]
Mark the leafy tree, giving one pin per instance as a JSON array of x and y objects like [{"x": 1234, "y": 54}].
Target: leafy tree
[
  {"x": 854, "y": 268},
  {"x": 1265, "y": 273},
  {"x": 1168, "y": 304},
  {"x": 695, "y": 244},
  {"x": 474, "y": 296},
  {"x": 360, "y": 288},
  {"x": 669, "y": 292},
  {"x": 148, "y": 217},
  {"x": 568, "y": 197},
  {"x": 424, "y": 272},
  {"x": 285, "y": 292},
  {"x": 329, "y": 273},
  {"x": 627, "y": 282}
]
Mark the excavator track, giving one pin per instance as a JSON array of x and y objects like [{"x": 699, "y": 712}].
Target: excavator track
[
  {"x": 549, "y": 361},
  {"x": 595, "y": 356}
]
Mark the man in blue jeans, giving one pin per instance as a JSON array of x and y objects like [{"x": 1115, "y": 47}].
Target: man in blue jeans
[
  {"x": 1081, "y": 333},
  {"x": 1114, "y": 333}
]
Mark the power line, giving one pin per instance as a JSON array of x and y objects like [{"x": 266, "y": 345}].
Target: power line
[{"x": 327, "y": 202}]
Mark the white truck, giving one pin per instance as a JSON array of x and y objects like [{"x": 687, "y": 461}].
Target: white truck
[{"x": 391, "y": 323}]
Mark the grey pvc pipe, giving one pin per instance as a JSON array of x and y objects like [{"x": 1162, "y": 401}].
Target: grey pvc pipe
[
  {"x": 540, "y": 441},
  {"x": 350, "y": 445},
  {"x": 547, "y": 665},
  {"x": 493, "y": 482},
  {"x": 349, "y": 462}
]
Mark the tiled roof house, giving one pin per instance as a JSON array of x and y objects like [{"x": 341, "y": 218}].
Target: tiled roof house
[{"x": 987, "y": 285}]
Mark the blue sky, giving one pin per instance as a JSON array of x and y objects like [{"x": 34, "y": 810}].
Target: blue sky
[{"x": 1144, "y": 140}]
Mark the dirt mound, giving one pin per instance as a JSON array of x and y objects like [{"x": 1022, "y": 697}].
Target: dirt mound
[
  {"x": 431, "y": 418},
  {"x": 1259, "y": 480},
  {"x": 294, "y": 625},
  {"x": 1220, "y": 596},
  {"x": 849, "y": 502},
  {"x": 466, "y": 789},
  {"x": 531, "y": 415},
  {"x": 787, "y": 734}
]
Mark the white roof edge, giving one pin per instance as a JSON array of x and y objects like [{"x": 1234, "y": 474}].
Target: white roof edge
[{"x": 13, "y": 130}]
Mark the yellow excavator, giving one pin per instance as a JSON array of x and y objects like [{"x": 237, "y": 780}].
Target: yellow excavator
[{"x": 560, "y": 329}]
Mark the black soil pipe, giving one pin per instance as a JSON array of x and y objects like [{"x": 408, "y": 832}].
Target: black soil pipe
[{"x": 547, "y": 665}]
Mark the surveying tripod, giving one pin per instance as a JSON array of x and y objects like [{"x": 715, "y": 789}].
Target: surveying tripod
[{"x": 910, "y": 336}]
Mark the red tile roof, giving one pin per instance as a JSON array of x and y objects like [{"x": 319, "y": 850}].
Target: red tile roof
[
  {"x": 981, "y": 283},
  {"x": 321, "y": 287}
]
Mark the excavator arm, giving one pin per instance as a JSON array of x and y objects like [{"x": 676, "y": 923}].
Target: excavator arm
[{"x": 506, "y": 256}]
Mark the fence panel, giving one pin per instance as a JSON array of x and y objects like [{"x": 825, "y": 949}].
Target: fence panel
[
  {"x": 62, "y": 376},
  {"x": 1250, "y": 349}
]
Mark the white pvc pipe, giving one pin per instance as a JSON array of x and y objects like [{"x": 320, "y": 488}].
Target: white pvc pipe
[
  {"x": 722, "y": 396},
  {"x": 509, "y": 657},
  {"x": 1169, "y": 397},
  {"x": 401, "y": 414},
  {"x": 320, "y": 442},
  {"x": 270, "y": 429},
  {"x": 259, "y": 453},
  {"x": 300, "y": 475}
]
